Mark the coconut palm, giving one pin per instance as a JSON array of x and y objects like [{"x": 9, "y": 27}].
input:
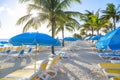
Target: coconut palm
[
  {"x": 112, "y": 12},
  {"x": 99, "y": 22},
  {"x": 69, "y": 23},
  {"x": 48, "y": 11},
  {"x": 94, "y": 22},
  {"x": 87, "y": 18},
  {"x": 77, "y": 35}
]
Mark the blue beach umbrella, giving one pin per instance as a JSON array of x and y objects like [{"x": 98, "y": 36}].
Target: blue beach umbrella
[
  {"x": 34, "y": 38},
  {"x": 87, "y": 38},
  {"x": 97, "y": 37},
  {"x": 71, "y": 39},
  {"x": 4, "y": 42},
  {"x": 111, "y": 40}
]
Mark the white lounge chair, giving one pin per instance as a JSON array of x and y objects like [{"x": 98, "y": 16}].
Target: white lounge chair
[
  {"x": 53, "y": 67},
  {"x": 109, "y": 65},
  {"x": 115, "y": 78},
  {"x": 111, "y": 73},
  {"x": 115, "y": 61}
]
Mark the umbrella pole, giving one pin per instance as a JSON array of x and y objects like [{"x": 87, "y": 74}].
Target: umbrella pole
[
  {"x": 52, "y": 50},
  {"x": 35, "y": 59}
]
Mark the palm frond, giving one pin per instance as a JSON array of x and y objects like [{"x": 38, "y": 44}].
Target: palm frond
[
  {"x": 28, "y": 25},
  {"x": 64, "y": 4},
  {"x": 97, "y": 13},
  {"x": 23, "y": 1},
  {"x": 75, "y": 22},
  {"x": 23, "y": 19},
  {"x": 43, "y": 17},
  {"x": 74, "y": 14},
  {"x": 33, "y": 7},
  {"x": 58, "y": 29},
  {"x": 31, "y": 23},
  {"x": 70, "y": 28},
  {"x": 39, "y": 2},
  {"x": 49, "y": 25}
]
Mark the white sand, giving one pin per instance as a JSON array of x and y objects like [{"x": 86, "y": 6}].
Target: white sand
[
  {"x": 14, "y": 64},
  {"x": 81, "y": 63}
]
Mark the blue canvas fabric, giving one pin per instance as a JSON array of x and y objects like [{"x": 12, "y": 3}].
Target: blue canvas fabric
[
  {"x": 111, "y": 40},
  {"x": 34, "y": 38},
  {"x": 70, "y": 39},
  {"x": 97, "y": 37},
  {"x": 3, "y": 42},
  {"x": 86, "y": 38},
  {"x": 89, "y": 37},
  {"x": 109, "y": 55}
]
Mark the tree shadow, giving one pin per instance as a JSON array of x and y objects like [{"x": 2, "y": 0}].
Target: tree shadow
[{"x": 83, "y": 70}]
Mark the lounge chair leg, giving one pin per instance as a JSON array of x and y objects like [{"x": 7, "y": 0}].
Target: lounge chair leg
[
  {"x": 43, "y": 77},
  {"x": 108, "y": 77}
]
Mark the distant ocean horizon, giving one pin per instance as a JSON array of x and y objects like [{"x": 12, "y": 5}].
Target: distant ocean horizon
[{"x": 4, "y": 39}]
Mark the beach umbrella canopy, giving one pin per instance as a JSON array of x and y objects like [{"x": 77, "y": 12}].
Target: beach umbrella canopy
[
  {"x": 97, "y": 37},
  {"x": 111, "y": 40},
  {"x": 4, "y": 42},
  {"x": 71, "y": 39},
  {"x": 34, "y": 38},
  {"x": 87, "y": 38}
]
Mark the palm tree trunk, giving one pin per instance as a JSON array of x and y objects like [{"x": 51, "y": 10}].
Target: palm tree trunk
[
  {"x": 92, "y": 31},
  {"x": 53, "y": 23},
  {"x": 63, "y": 36},
  {"x": 97, "y": 31},
  {"x": 114, "y": 25}
]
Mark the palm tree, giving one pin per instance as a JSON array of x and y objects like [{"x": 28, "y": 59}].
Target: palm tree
[
  {"x": 67, "y": 23},
  {"x": 48, "y": 11},
  {"x": 99, "y": 22},
  {"x": 112, "y": 12},
  {"x": 93, "y": 21},
  {"x": 88, "y": 20},
  {"x": 77, "y": 35}
]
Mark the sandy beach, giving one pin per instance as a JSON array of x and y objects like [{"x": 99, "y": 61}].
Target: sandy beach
[{"x": 81, "y": 63}]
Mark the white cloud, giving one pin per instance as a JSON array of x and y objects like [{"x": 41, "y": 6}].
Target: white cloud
[
  {"x": 9, "y": 16},
  {"x": 2, "y": 9},
  {"x": 10, "y": 11}
]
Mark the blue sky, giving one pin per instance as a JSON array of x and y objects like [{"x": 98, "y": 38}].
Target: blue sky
[
  {"x": 12, "y": 10},
  {"x": 93, "y": 5}
]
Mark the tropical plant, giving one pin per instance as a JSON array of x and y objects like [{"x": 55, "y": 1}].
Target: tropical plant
[
  {"x": 87, "y": 18},
  {"x": 94, "y": 22},
  {"x": 47, "y": 11},
  {"x": 112, "y": 12},
  {"x": 76, "y": 35},
  {"x": 99, "y": 22},
  {"x": 67, "y": 23}
]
